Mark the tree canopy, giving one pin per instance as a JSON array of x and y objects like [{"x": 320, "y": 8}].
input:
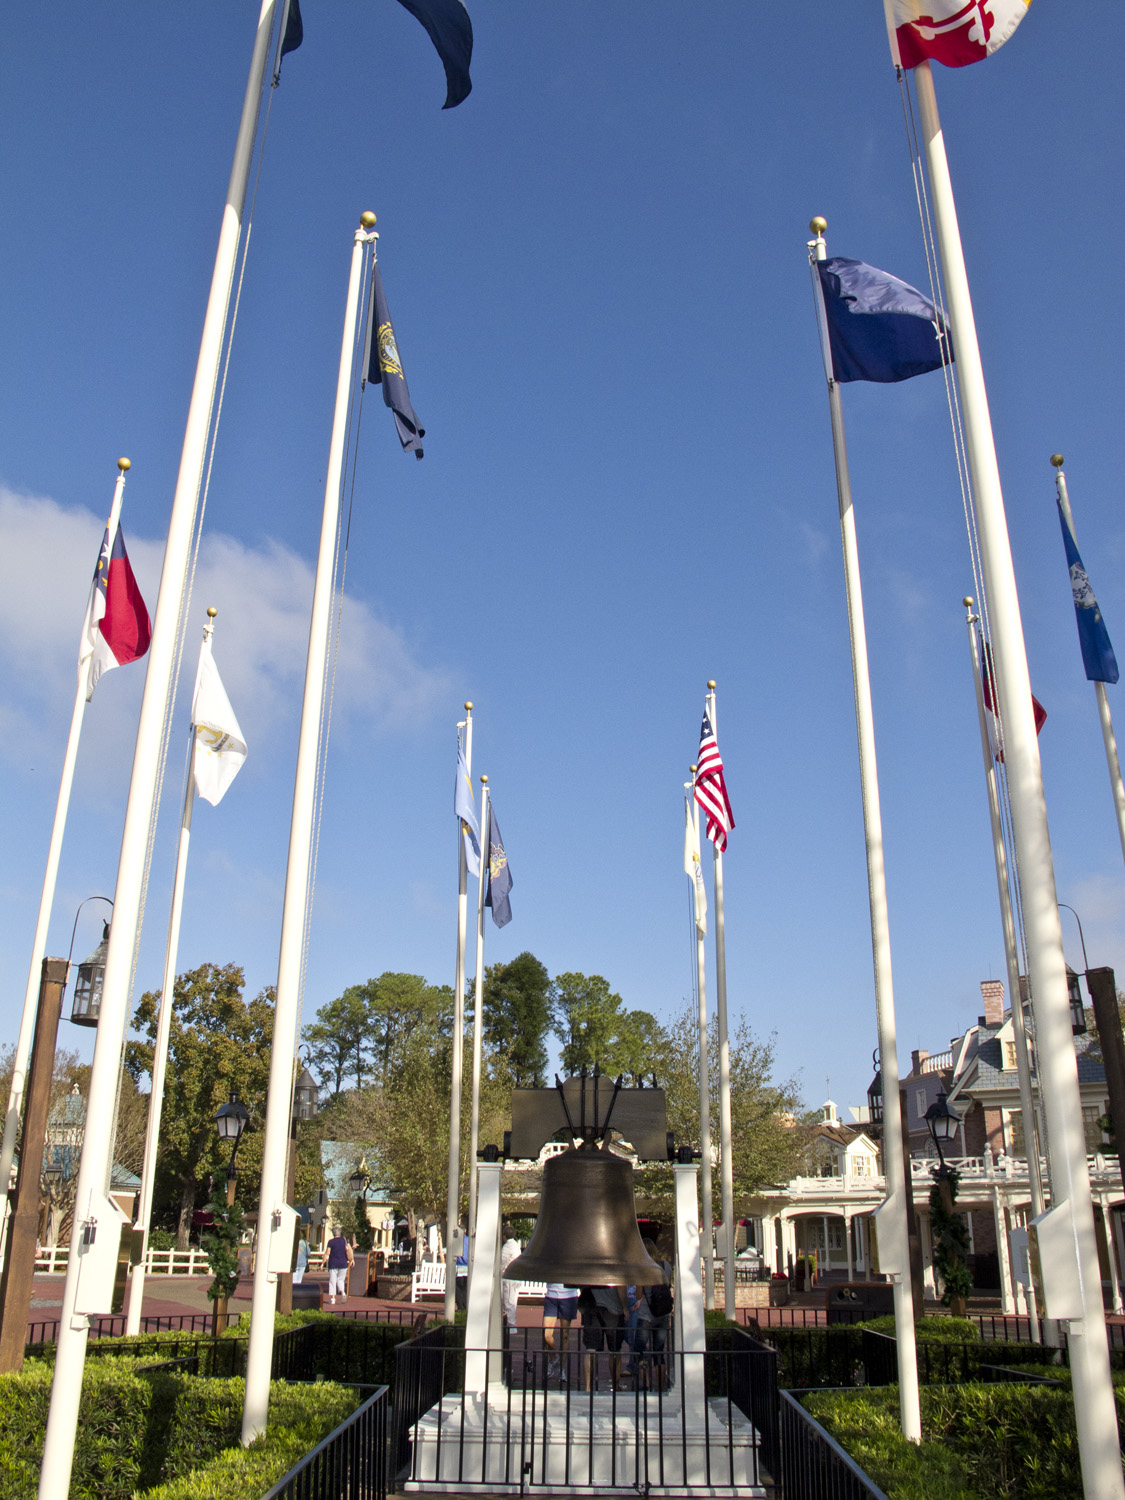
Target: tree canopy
[
  {"x": 516, "y": 1009},
  {"x": 597, "y": 1031},
  {"x": 218, "y": 1044}
]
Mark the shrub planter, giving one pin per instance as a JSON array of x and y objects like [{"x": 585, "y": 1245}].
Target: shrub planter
[{"x": 393, "y": 1288}]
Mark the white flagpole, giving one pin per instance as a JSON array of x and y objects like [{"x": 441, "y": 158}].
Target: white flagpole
[
  {"x": 707, "y": 1212},
  {"x": 1011, "y": 952},
  {"x": 1077, "y": 1262},
  {"x": 726, "y": 1162},
  {"x": 94, "y": 1167},
  {"x": 46, "y": 901},
  {"x": 453, "y": 1192},
  {"x": 163, "y": 1028},
  {"x": 1108, "y": 736},
  {"x": 894, "y": 1254},
  {"x": 478, "y": 1001},
  {"x": 275, "y": 1146}
]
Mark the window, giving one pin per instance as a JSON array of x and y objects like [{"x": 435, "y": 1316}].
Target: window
[
  {"x": 1017, "y": 1145},
  {"x": 1091, "y": 1115},
  {"x": 861, "y": 1164},
  {"x": 1010, "y": 1057},
  {"x": 920, "y": 1103}
]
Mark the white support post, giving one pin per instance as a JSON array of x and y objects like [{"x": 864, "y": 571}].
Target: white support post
[
  {"x": 691, "y": 1336},
  {"x": 163, "y": 1029},
  {"x": 726, "y": 1158},
  {"x": 47, "y": 898},
  {"x": 272, "y": 1198},
  {"x": 478, "y": 1001},
  {"x": 453, "y": 1185},
  {"x": 97, "y": 1146},
  {"x": 894, "y": 1253},
  {"x": 481, "y": 1323},
  {"x": 1095, "y": 1410}
]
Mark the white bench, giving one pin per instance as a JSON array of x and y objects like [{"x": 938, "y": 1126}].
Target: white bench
[{"x": 429, "y": 1281}]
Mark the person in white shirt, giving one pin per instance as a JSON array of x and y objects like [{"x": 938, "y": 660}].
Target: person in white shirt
[{"x": 509, "y": 1290}]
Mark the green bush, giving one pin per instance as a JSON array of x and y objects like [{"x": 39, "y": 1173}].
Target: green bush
[
  {"x": 937, "y": 1330},
  {"x": 980, "y": 1442},
  {"x": 136, "y": 1431}
]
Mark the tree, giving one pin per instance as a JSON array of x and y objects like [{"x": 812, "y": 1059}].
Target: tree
[
  {"x": 340, "y": 1038},
  {"x": 597, "y": 1031},
  {"x": 766, "y": 1148},
  {"x": 218, "y": 1044},
  {"x": 516, "y": 1006}
]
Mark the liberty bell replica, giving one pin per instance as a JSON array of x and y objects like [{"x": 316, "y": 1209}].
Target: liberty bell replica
[{"x": 586, "y": 1233}]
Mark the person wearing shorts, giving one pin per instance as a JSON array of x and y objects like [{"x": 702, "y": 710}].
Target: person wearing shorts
[
  {"x": 340, "y": 1257},
  {"x": 604, "y": 1315},
  {"x": 560, "y": 1308}
]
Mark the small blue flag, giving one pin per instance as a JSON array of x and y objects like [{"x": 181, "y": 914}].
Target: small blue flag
[
  {"x": 384, "y": 367},
  {"x": 1097, "y": 653},
  {"x": 465, "y": 808},
  {"x": 499, "y": 874},
  {"x": 879, "y": 328}
]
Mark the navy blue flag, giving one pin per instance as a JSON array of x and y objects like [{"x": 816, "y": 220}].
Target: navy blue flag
[
  {"x": 879, "y": 328},
  {"x": 449, "y": 28},
  {"x": 499, "y": 874},
  {"x": 1097, "y": 653},
  {"x": 385, "y": 367}
]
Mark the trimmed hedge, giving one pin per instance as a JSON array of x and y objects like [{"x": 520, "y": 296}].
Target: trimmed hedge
[
  {"x": 138, "y": 1431},
  {"x": 937, "y": 1330},
  {"x": 980, "y": 1442}
]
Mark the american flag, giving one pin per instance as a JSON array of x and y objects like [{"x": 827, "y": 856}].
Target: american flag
[{"x": 711, "y": 789}]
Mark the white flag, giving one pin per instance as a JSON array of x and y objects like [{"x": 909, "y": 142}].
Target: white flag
[
  {"x": 219, "y": 746},
  {"x": 693, "y": 869}
]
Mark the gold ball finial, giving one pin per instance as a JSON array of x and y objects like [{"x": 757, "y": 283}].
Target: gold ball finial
[
  {"x": 818, "y": 225},
  {"x": 367, "y": 219},
  {"x": 211, "y": 611},
  {"x": 711, "y": 683},
  {"x": 1057, "y": 460},
  {"x": 693, "y": 769},
  {"x": 468, "y": 705},
  {"x": 967, "y": 601},
  {"x": 484, "y": 781},
  {"x": 123, "y": 464}
]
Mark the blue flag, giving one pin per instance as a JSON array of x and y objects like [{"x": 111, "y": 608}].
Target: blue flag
[
  {"x": 449, "y": 28},
  {"x": 451, "y": 32},
  {"x": 385, "y": 368},
  {"x": 465, "y": 808},
  {"x": 499, "y": 874},
  {"x": 879, "y": 328},
  {"x": 1097, "y": 653}
]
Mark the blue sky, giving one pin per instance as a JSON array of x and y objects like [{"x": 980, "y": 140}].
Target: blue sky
[{"x": 598, "y": 275}]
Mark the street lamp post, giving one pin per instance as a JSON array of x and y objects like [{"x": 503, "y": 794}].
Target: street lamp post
[
  {"x": 87, "y": 1002},
  {"x": 231, "y": 1120},
  {"x": 943, "y": 1124}
]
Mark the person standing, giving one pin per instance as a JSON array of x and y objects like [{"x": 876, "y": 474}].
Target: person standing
[
  {"x": 654, "y": 1317},
  {"x": 302, "y": 1261},
  {"x": 604, "y": 1313},
  {"x": 560, "y": 1308},
  {"x": 340, "y": 1260}
]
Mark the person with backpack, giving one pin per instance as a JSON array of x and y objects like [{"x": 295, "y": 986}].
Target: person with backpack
[{"x": 654, "y": 1317}]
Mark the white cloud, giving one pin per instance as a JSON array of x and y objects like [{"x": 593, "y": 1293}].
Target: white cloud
[{"x": 263, "y": 594}]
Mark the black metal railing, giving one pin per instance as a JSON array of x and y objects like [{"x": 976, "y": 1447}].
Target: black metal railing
[
  {"x": 350, "y": 1464},
  {"x": 46, "y": 1331},
  {"x": 813, "y": 1465},
  {"x": 528, "y": 1416}
]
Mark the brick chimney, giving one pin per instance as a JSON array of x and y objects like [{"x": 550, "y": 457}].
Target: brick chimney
[
  {"x": 992, "y": 997},
  {"x": 917, "y": 1058}
]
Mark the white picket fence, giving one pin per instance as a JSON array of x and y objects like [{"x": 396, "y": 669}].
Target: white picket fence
[{"x": 191, "y": 1262}]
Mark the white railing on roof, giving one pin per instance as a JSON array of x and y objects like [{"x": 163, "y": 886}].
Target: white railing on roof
[{"x": 937, "y": 1062}]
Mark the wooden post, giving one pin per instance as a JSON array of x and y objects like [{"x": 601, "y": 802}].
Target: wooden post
[
  {"x": 285, "y": 1279},
  {"x": 15, "y": 1287},
  {"x": 1103, "y": 995},
  {"x": 913, "y": 1238}
]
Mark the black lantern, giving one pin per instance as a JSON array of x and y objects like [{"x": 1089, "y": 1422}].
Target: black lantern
[
  {"x": 1077, "y": 1009},
  {"x": 943, "y": 1123},
  {"x": 231, "y": 1119},
  {"x": 875, "y": 1093},
  {"x": 305, "y": 1094},
  {"x": 360, "y": 1180},
  {"x": 88, "y": 986}
]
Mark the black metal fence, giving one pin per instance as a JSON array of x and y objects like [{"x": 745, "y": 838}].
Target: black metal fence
[
  {"x": 527, "y": 1415},
  {"x": 813, "y": 1465},
  {"x": 350, "y": 1464}
]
